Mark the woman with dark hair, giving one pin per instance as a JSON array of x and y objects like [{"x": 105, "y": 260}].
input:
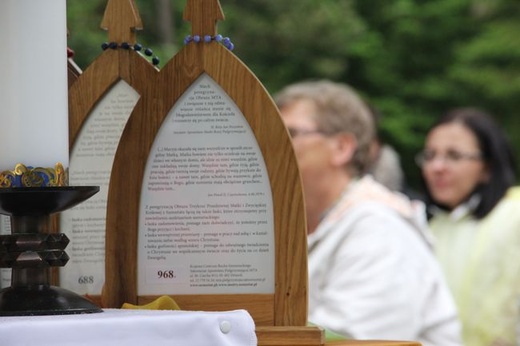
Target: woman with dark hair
[{"x": 469, "y": 172}]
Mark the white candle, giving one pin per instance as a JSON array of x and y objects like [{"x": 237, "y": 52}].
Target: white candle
[{"x": 33, "y": 84}]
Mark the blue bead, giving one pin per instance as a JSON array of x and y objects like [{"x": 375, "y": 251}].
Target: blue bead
[
  {"x": 113, "y": 45},
  {"x": 231, "y": 46},
  {"x": 148, "y": 52},
  {"x": 226, "y": 40},
  {"x": 138, "y": 47},
  {"x": 104, "y": 46},
  {"x": 207, "y": 38},
  {"x": 196, "y": 38},
  {"x": 187, "y": 39},
  {"x": 218, "y": 38},
  {"x": 125, "y": 45},
  {"x": 155, "y": 60}
]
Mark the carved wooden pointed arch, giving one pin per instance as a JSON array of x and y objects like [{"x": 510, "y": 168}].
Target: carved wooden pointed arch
[
  {"x": 288, "y": 305},
  {"x": 121, "y": 20},
  {"x": 109, "y": 68},
  {"x": 90, "y": 89}
]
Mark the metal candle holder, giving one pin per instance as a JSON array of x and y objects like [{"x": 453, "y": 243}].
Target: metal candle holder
[{"x": 31, "y": 251}]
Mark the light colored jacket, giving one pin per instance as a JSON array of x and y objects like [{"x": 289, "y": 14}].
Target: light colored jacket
[
  {"x": 481, "y": 260},
  {"x": 372, "y": 274}
]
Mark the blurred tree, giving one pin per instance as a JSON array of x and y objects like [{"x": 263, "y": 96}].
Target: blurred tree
[
  {"x": 161, "y": 20},
  {"x": 411, "y": 59},
  {"x": 402, "y": 64},
  {"x": 85, "y": 35},
  {"x": 285, "y": 41}
]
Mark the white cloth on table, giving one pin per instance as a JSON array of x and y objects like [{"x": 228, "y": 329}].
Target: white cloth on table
[{"x": 114, "y": 327}]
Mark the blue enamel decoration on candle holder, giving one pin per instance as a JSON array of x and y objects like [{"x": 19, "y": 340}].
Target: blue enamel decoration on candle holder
[{"x": 28, "y": 176}]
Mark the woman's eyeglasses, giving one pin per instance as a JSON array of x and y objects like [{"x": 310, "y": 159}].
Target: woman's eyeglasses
[{"x": 451, "y": 157}]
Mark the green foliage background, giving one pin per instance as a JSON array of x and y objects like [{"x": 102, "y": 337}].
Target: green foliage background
[{"x": 412, "y": 59}]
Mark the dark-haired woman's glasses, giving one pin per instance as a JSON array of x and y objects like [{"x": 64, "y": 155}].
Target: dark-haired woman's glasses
[{"x": 451, "y": 157}]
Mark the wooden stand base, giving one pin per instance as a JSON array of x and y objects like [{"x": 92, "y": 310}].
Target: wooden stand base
[
  {"x": 290, "y": 336},
  {"x": 313, "y": 336}
]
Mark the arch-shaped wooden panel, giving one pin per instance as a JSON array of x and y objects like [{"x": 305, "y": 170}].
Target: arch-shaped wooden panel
[
  {"x": 288, "y": 305},
  {"x": 109, "y": 68},
  {"x": 87, "y": 91}
]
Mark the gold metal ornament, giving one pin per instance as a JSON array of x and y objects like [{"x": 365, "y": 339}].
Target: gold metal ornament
[{"x": 27, "y": 176}]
